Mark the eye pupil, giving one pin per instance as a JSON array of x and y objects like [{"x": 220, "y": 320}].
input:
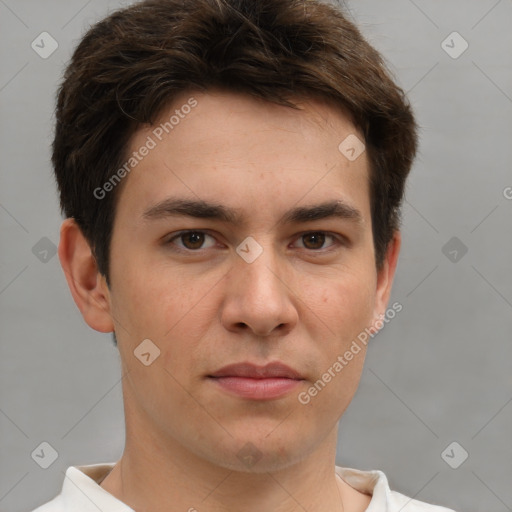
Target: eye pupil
[
  {"x": 320, "y": 238},
  {"x": 194, "y": 235}
]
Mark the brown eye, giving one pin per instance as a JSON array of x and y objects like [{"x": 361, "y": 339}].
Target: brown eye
[
  {"x": 190, "y": 241},
  {"x": 314, "y": 240}
]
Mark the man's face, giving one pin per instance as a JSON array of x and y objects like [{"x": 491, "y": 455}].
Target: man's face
[{"x": 267, "y": 288}]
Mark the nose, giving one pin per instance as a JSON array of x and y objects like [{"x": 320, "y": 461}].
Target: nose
[{"x": 259, "y": 296}]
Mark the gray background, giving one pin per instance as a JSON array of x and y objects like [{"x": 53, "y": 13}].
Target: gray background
[{"x": 439, "y": 372}]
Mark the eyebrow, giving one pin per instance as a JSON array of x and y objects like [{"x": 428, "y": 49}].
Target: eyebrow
[{"x": 200, "y": 209}]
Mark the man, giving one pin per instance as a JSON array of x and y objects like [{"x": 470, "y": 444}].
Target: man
[{"x": 231, "y": 173}]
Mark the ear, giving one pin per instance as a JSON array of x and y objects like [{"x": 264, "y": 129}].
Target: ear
[
  {"x": 386, "y": 275},
  {"x": 88, "y": 287}
]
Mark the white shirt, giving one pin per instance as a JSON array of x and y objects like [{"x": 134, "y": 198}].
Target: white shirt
[{"x": 81, "y": 492}]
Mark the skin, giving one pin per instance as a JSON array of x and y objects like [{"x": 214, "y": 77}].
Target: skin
[{"x": 302, "y": 302}]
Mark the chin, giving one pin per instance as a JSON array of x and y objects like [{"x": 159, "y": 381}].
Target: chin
[{"x": 258, "y": 450}]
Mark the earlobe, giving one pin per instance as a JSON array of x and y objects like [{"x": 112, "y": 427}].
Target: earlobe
[
  {"x": 386, "y": 276},
  {"x": 87, "y": 285}
]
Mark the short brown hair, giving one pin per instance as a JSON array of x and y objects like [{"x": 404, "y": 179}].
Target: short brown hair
[{"x": 133, "y": 63}]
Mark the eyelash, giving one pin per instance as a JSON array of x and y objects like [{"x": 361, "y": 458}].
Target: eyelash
[{"x": 339, "y": 240}]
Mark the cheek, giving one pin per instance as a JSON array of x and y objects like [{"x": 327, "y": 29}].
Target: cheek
[
  {"x": 345, "y": 304},
  {"x": 338, "y": 313},
  {"x": 176, "y": 318},
  {"x": 147, "y": 302}
]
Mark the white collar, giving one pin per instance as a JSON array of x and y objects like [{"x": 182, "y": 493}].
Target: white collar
[{"x": 81, "y": 492}]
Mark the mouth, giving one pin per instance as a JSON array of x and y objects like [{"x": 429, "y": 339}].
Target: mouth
[{"x": 254, "y": 382}]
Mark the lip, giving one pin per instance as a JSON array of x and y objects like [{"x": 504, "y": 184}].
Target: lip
[
  {"x": 253, "y": 371},
  {"x": 251, "y": 381}
]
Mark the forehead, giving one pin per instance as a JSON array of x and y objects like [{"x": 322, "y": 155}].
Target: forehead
[
  {"x": 222, "y": 146},
  {"x": 219, "y": 110}
]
